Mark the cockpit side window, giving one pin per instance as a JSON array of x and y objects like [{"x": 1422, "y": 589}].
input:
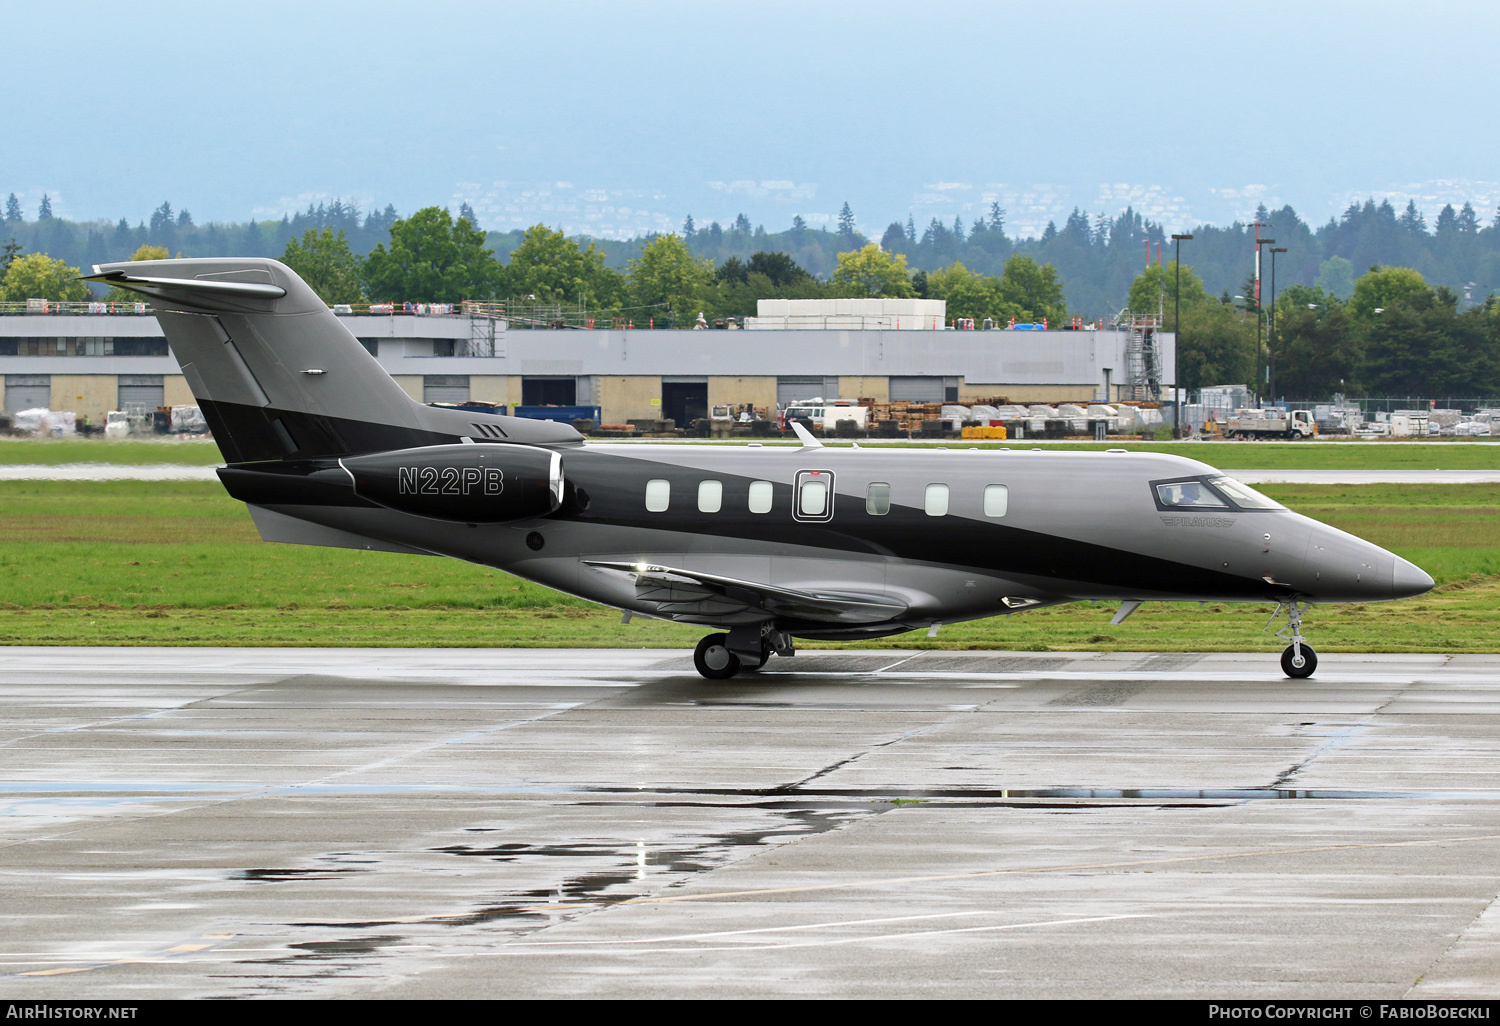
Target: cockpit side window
[{"x": 1189, "y": 495}]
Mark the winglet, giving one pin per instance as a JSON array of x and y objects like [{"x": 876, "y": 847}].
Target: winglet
[{"x": 808, "y": 439}]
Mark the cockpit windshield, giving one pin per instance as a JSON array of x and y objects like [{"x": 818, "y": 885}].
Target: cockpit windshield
[{"x": 1243, "y": 495}]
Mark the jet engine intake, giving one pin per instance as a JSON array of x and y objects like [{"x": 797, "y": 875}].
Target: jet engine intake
[{"x": 473, "y": 484}]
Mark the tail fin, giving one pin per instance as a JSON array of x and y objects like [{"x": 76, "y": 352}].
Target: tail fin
[{"x": 277, "y": 376}]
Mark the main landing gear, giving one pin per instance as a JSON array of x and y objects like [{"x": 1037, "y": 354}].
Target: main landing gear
[
  {"x": 713, "y": 660},
  {"x": 1299, "y": 660},
  {"x": 721, "y": 656}
]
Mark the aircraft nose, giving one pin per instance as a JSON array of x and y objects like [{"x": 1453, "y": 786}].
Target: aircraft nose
[{"x": 1408, "y": 579}]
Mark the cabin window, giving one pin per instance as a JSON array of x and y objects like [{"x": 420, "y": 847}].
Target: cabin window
[
  {"x": 1189, "y": 493},
  {"x": 813, "y": 499},
  {"x": 761, "y": 494},
  {"x": 658, "y": 495},
  {"x": 710, "y": 496},
  {"x": 996, "y": 500},
  {"x": 935, "y": 502},
  {"x": 878, "y": 499}
]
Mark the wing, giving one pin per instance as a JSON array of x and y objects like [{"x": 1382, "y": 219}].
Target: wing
[{"x": 688, "y": 593}]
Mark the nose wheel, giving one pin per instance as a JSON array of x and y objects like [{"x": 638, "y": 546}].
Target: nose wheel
[{"x": 1299, "y": 660}]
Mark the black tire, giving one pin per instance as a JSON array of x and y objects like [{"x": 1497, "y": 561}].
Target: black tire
[
  {"x": 713, "y": 660},
  {"x": 1309, "y": 662}
]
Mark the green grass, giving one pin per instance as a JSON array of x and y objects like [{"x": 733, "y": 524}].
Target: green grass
[
  {"x": 133, "y": 451},
  {"x": 1324, "y": 455},
  {"x": 163, "y": 563},
  {"x": 1385, "y": 455}
]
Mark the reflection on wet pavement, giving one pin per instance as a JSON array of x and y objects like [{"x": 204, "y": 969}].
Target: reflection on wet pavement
[{"x": 485, "y": 824}]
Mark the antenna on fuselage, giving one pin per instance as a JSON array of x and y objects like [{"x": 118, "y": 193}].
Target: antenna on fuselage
[{"x": 808, "y": 439}]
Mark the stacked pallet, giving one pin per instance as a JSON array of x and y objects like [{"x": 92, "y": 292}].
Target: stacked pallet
[{"x": 910, "y": 416}]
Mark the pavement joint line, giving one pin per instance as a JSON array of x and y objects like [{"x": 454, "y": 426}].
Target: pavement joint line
[
  {"x": 1331, "y": 742},
  {"x": 939, "y": 877},
  {"x": 97, "y": 962},
  {"x": 522, "y": 948},
  {"x": 760, "y": 929},
  {"x": 892, "y": 666},
  {"x": 1448, "y": 950}
]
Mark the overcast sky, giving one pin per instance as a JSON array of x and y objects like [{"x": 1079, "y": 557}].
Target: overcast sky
[{"x": 618, "y": 117}]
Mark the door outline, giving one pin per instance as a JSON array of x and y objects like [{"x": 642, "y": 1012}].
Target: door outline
[{"x": 826, "y": 476}]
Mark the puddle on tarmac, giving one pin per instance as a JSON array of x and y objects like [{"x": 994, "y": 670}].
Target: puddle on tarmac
[
  {"x": 512, "y": 884},
  {"x": 283, "y": 875}
]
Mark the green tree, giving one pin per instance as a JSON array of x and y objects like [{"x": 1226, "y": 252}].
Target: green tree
[
  {"x": 1159, "y": 285},
  {"x": 1315, "y": 350},
  {"x": 1304, "y": 297},
  {"x": 1216, "y": 346},
  {"x": 432, "y": 259},
  {"x": 325, "y": 261},
  {"x": 553, "y": 268},
  {"x": 1424, "y": 347},
  {"x": 872, "y": 272},
  {"x": 1384, "y": 288},
  {"x": 740, "y": 285},
  {"x": 780, "y": 268},
  {"x": 1034, "y": 288},
  {"x": 971, "y": 295},
  {"x": 38, "y": 276},
  {"x": 846, "y": 221},
  {"x": 668, "y": 281}
]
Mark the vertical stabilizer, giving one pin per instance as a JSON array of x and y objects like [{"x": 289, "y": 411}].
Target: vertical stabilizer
[{"x": 278, "y": 376}]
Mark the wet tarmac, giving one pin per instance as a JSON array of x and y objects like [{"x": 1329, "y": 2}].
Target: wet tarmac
[{"x": 489, "y": 823}]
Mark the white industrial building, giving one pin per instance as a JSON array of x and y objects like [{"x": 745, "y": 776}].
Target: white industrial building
[{"x": 91, "y": 363}]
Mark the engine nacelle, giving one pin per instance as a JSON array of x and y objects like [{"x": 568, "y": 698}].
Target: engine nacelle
[{"x": 472, "y": 484}]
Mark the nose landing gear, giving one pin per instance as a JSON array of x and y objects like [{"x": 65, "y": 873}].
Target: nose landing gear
[{"x": 1299, "y": 660}]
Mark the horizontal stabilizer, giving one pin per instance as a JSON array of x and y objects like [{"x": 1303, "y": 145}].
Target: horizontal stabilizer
[
  {"x": 186, "y": 290},
  {"x": 691, "y": 593},
  {"x": 278, "y": 527}
]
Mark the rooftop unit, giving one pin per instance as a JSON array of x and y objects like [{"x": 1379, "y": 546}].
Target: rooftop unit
[{"x": 850, "y": 314}]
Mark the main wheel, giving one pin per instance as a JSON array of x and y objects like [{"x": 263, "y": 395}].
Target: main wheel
[
  {"x": 713, "y": 659},
  {"x": 1298, "y": 667}
]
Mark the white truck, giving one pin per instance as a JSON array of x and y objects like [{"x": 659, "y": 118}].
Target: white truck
[
  {"x": 1271, "y": 424},
  {"x": 825, "y": 416}
]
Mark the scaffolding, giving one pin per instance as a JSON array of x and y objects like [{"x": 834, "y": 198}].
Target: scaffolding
[
  {"x": 1142, "y": 358},
  {"x": 483, "y": 334}
]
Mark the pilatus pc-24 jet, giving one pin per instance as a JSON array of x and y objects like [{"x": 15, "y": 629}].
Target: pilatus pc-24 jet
[{"x": 760, "y": 544}]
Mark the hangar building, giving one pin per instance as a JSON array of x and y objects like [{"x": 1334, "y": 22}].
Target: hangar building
[{"x": 68, "y": 358}]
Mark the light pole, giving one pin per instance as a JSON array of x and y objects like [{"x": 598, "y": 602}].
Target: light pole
[
  {"x": 1259, "y": 242},
  {"x": 1271, "y": 340},
  {"x": 1177, "y": 241}
]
